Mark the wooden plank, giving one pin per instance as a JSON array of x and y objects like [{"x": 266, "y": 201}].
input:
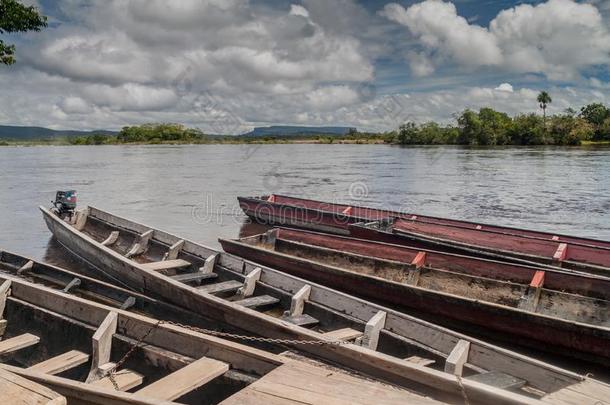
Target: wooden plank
[
  {"x": 297, "y": 383},
  {"x": 209, "y": 264},
  {"x": 166, "y": 265},
  {"x": 141, "y": 246},
  {"x": 419, "y": 260},
  {"x": 80, "y": 219},
  {"x": 372, "y": 330},
  {"x": 499, "y": 380},
  {"x": 125, "y": 379},
  {"x": 457, "y": 358},
  {"x": 301, "y": 320},
  {"x": 174, "y": 250},
  {"x": 26, "y": 267},
  {"x": 3, "y": 323},
  {"x": 586, "y": 392},
  {"x": 560, "y": 253},
  {"x": 185, "y": 380},
  {"x": 225, "y": 286},
  {"x": 192, "y": 277},
  {"x": 260, "y": 301},
  {"x": 538, "y": 279},
  {"x": 111, "y": 239},
  {"x": 75, "y": 282},
  {"x": 342, "y": 334},
  {"x": 102, "y": 345},
  {"x": 18, "y": 342},
  {"x": 17, "y": 390},
  {"x": 297, "y": 303},
  {"x": 60, "y": 363},
  {"x": 250, "y": 283},
  {"x": 5, "y": 290},
  {"x": 420, "y": 360}
]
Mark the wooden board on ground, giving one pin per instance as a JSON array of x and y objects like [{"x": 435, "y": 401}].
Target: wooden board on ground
[
  {"x": 18, "y": 390},
  {"x": 299, "y": 383},
  {"x": 586, "y": 392}
]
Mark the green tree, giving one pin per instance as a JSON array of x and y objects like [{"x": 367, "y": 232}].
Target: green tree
[
  {"x": 407, "y": 134},
  {"x": 595, "y": 113},
  {"x": 470, "y": 126},
  {"x": 15, "y": 17},
  {"x": 544, "y": 100}
]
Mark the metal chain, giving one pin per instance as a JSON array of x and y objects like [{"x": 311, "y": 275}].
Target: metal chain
[{"x": 113, "y": 371}]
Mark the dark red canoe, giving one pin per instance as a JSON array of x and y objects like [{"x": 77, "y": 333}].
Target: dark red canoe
[
  {"x": 546, "y": 309},
  {"x": 481, "y": 243},
  {"x": 335, "y": 218}
]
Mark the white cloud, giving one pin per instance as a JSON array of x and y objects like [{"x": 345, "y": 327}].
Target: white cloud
[
  {"x": 558, "y": 38},
  {"x": 507, "y": 87}
]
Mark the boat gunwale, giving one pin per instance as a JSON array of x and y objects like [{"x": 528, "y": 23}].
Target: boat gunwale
[{"x": 399, "y": 214}]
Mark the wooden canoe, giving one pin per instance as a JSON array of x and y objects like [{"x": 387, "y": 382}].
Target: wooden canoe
[
  {"x": 549, "y": 253},
  {"x": 335, "y": 218},
  {"x": 386, "y": 344},
  {"x": 68, "y": 344},
  {"x": 547, "y": 310}
]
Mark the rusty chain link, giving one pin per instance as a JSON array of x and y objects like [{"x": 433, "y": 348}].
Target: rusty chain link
[{"x": 113, "y": 371}]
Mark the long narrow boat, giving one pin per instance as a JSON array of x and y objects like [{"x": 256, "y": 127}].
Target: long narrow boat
[
  {"x": 335, "y": 218},
  {"x": 378, "y": 341},
  {"x": 95, "y": 354},
  {"x": 481, "y": 243},
  {"x": 548, "y": 310}
]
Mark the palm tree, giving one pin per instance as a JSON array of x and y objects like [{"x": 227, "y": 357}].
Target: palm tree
[{"x": 544, "y": 99}]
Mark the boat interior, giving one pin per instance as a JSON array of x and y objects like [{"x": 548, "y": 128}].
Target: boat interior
[{"x": 410, "y": 267}]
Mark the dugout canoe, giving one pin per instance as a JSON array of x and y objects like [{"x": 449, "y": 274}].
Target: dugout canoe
[
  {"x": 482, "y": 240},
  {"x": 481, "y": 243},
  {"x": 380, "y": 342},
  {"x": 276, "y": 209},
  {"x": 69, "y": 345},
  {"x": 549, "y": 310}
]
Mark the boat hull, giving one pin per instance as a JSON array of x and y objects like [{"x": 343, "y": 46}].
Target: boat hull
[{"x": 534, "y": 330}]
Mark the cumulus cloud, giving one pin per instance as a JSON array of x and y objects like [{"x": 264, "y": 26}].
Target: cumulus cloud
[
  {"x": 507, "y": 87},
  {"x": 558, "y": 38}
]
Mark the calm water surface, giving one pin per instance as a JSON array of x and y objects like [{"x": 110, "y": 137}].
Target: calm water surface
[{"x": 191, "y": 190}]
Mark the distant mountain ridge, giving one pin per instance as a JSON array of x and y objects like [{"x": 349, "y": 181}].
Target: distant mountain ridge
[
  {"x": 19, "y": 133},
  {"x": 33, "y": 133},
  {"x": 289, "y": 130}
]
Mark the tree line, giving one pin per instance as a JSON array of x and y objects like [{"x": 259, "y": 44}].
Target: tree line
[{"x": 490, "y": 127}]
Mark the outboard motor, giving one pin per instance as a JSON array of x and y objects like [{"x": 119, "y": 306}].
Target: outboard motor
[{"x": 65, "y": 203}]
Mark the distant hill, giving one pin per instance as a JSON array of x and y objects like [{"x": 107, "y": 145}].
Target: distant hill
[
  {"x": 33, "y": 133},
  {"x": 279, "y": 130}
]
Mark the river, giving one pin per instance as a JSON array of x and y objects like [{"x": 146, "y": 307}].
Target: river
[{"x": 191, "y": 190}]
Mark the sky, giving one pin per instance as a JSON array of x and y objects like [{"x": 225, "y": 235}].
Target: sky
[{"x": 225, "y": 66}]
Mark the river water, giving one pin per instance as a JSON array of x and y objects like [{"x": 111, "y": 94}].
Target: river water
[{"x": 191, "y": 190}]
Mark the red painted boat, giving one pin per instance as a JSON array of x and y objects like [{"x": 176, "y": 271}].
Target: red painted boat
[
  {"x": 335, "y": 218},
  {"x": 545, "y": 309},
  {"x": 481, "y": 243}
]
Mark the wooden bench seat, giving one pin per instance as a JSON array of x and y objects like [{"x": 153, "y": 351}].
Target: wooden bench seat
[
  {"x": 166, "y": 265},
  {"x": 194, "y": 277},
  {"x": 498, "y": 380},
  {"x": 259, "y": 301},
  {"x": 125, "y": 379},
  {"x": 185, "y": 379},
  {"x": 18, "y": 342},
  {"x": 223, "y": 287},
  {"x": 420, "y": 360},
  {"x": 63, "y": 362},
  {"x": 343, "y": 334},
  {"x": 301, "y": 320}
]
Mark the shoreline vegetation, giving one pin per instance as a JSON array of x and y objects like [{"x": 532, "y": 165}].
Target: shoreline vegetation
[{"x": 486, "y": 127}]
